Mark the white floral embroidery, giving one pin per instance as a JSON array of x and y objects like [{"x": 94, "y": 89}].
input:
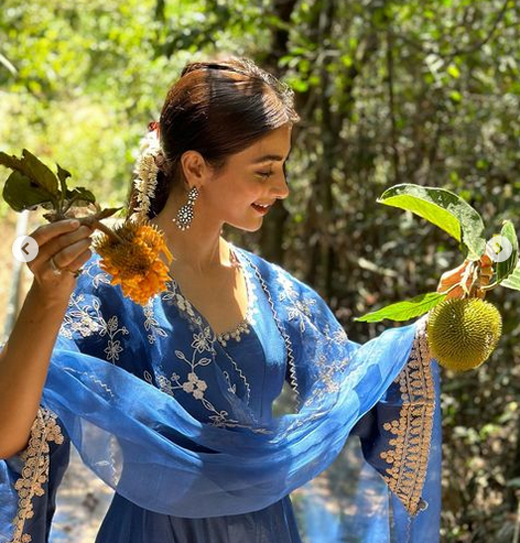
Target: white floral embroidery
[
  {"x": 151, "y": 324},
  {"x": 87, "y": 320},
  {"x": 35, "y": 473},
  {"x": 339, "y": 336},
  {"x": 99, "y": 277},
  {"x": 195, "y": 385},
  {"x": 113, "y": 350},
  {"x": 231, "y": 387},
  {"x": 173, "y": 296},
  {"x": 288, "y": 290},
  {"x": 184, "y": 305},
  {"x": 301, "y": 310},
  {"x": 326, "y": 371},
  {"x": 201, "y": 341},
  {"x": 205, "y": 338},
  {"x": 203, "y": 354}
]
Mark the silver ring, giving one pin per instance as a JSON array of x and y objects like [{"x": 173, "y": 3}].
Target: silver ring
[{"x": 55, "y": 269}]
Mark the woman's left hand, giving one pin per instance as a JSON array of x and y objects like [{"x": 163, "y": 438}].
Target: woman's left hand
[{"x": 462, "y": 275}]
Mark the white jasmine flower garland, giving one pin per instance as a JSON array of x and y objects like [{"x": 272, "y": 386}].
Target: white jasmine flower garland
[{"x": 146, "y": 170}]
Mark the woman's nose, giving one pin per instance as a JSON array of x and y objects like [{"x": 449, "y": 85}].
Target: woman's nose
[{"x": 280, "y": 189}]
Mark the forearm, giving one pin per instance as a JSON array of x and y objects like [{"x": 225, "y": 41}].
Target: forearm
[{"x": 24, "y": 363}]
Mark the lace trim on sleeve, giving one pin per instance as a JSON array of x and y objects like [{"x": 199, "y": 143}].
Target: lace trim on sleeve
[
  {"x": 35, "y": 472},
  {"x": 410, "y": 449}
]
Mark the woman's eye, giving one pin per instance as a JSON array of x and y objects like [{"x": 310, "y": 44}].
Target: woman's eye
[{"x": 264, "y": 175}]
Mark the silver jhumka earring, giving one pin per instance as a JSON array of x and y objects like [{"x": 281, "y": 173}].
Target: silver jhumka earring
[{"x": 185, "y": 214}]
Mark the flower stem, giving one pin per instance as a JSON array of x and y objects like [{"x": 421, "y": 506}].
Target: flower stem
[{"x": 94, "y": 222}]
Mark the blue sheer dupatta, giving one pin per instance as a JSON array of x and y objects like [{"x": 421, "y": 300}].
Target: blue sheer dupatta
[{"x": 153, "y": 450}]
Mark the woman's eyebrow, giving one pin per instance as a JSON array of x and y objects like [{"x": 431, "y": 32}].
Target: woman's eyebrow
[{"x": 265, "y": 158}]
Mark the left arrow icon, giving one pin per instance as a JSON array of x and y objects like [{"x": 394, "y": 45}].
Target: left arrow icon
[{"x": 25, "y": 248}]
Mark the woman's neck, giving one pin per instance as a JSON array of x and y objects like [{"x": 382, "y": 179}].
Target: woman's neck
[{"x": 200, "y": 248}]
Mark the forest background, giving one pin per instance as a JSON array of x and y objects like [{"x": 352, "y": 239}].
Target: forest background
[{"x": 419, "y": 91}]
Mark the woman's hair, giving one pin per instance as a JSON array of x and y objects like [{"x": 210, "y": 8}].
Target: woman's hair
[{"x": 217, "y": 108}]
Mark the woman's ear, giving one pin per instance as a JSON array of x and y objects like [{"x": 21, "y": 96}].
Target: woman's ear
[{"x": 194, "y": 168}]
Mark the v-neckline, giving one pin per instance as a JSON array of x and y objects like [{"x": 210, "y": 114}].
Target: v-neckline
[{"x": 248, "y": 287}]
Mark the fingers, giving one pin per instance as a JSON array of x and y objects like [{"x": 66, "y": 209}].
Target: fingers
[
  {"x": 485, "y": 260},
  {"x": 49, "y": 231},
  {"x": 68, "y": 245},
  {"x": 65, "y": 257},
  {"x": 63, "y": 241},
  {"x": 79, "y": 260},
  {"x": 63, "y": 246},
  {"x": 455, "y": 276},
  {"x": 452, "y": 277},
  {"x": 455, "y": 293}
]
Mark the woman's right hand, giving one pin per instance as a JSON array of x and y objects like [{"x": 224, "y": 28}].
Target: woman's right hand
[
  {"x": 455, "y": 277},
  {"x": 68, "y": 245}
]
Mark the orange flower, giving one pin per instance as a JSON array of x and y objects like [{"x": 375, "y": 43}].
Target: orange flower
[{"x": 133, "y": 260}]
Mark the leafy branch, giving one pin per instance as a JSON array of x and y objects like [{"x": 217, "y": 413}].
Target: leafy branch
[
  {"x": 456, "y": 217},
  {"x": 32, "y": 184}
]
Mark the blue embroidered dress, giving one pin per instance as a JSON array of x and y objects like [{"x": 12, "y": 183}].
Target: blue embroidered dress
[{"x": 180, "y": 422}]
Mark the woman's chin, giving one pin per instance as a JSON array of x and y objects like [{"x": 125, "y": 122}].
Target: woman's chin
[{"x": 247, "y": 226}]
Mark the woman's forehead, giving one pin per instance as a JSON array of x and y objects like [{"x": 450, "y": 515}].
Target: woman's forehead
[{"x": 274, "y": 146}]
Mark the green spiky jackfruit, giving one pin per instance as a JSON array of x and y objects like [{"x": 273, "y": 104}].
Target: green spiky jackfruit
[{"x": 462, "y": 333}]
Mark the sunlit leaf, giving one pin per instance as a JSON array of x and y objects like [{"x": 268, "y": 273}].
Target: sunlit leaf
[
  {"x": 403, "y": 311},
  {"x": 504, "y": 269},
  {"x": 453, "y": 71},
  {"x": 513, "y": 281},
  {"x": 34, "y": 169},
  {"x": 442, "y": 208}
]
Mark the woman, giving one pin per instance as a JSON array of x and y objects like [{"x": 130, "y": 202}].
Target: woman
[{"x": 171, "y": 404}]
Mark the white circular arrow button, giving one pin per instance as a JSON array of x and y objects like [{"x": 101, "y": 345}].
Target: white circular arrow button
[
  {"x": 25, "y": 248},
  {"x": 499, "y": 248}
]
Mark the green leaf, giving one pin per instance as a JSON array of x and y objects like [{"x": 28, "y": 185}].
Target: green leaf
[
  {"x": 403, "y": 311},
  {"x": 453, "y": 71},
  {"x": 21, "y": 193},
  {"x": 506, "y": 268},
  {"x": 456, "y": 96},
  {"x": 442, "y": 208},
  {"x": 513, "y": 281},
  {"x": 81, "y": 195},
  {"x": 62, "y": 176},
  {"x": 32, "y": 168},
  {"x": 62, "y": 173}
]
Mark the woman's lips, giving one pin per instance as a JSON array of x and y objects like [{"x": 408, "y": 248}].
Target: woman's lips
[{"x": 260, "y": 209}]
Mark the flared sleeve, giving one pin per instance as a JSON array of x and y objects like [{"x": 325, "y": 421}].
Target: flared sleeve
[
  {"x": 30, "y": 479},
  {"x": 401, "y": 438},
  {"x": 399, "y": 431}
]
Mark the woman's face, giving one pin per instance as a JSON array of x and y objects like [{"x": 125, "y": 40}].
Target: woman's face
[{"x": 250, "y": 179}]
